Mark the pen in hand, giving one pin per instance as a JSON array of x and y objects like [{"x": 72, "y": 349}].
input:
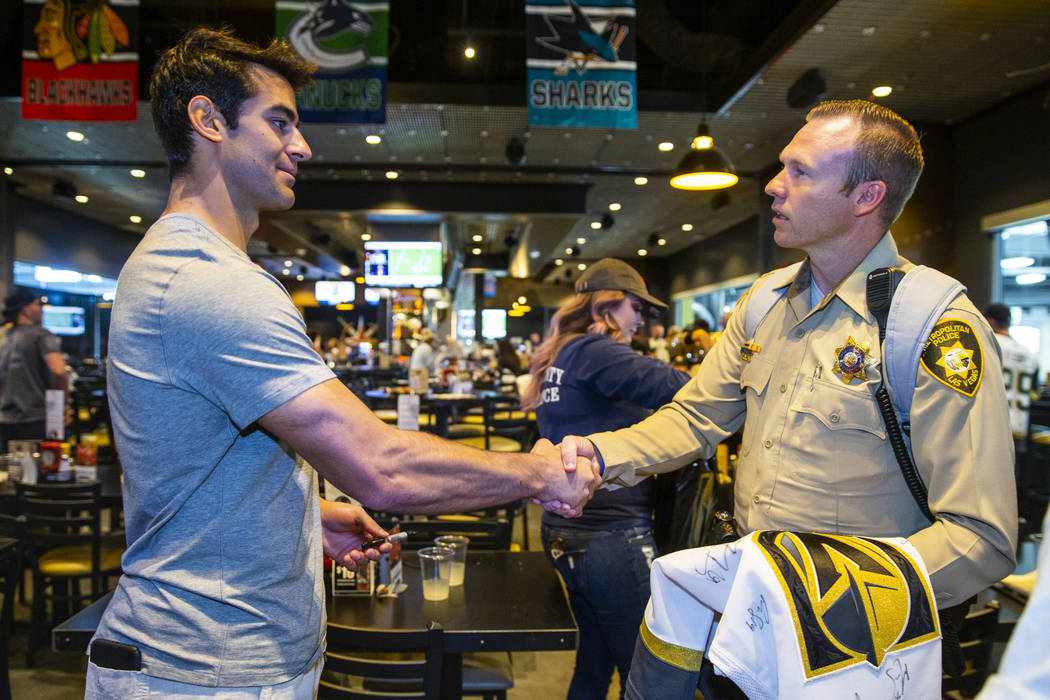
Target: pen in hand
[{"x": 396, "y": 537}]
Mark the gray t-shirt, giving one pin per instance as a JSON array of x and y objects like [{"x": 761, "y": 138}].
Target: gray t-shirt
[
  {"x": 222, "y": 575},
  {"x": 24, "y": 374}
]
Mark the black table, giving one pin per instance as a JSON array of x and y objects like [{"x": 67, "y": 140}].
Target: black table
[{"x": 509, "y": 601}]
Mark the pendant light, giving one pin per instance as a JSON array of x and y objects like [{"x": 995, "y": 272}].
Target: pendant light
[{"x": 704, "y": 167}]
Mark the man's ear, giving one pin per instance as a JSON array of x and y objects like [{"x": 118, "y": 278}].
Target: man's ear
[
  {"x": 867, "y": 197},
  {"x": 206, "y": 119}
]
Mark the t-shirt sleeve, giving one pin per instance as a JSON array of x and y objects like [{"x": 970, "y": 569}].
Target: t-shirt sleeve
[
  {"x": 238, "y": 342},
  {"x": 613, "y": 369},
  {"x": 49, "y": 344}
]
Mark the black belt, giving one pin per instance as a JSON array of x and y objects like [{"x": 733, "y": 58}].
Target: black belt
[{"x": 115, "y": 655}]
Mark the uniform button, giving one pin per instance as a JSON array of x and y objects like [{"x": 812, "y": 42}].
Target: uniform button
[
  {"x": 783, "y": 388},
  {"x": 756, "y": 499},
  {"x": 834, "y": 417},
  {"x": 768, "y": 444}
]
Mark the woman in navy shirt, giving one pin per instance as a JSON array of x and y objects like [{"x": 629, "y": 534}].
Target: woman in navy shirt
[{"x": 585, "y": 379}]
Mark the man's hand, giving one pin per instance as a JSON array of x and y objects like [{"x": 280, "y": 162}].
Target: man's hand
[
  {"x": 567, "y": 497},
  {"x": 344, "y": 528}
]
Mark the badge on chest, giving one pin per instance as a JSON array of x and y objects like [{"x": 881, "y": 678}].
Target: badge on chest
[{"x": 852, "y": 360}]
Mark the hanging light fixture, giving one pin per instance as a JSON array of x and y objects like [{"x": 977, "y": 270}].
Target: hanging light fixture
[{"x": 704, "y": 167}]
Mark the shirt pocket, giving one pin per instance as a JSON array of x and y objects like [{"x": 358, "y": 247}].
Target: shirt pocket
[
  {"x": 841, "y": 426},
  {"x": 754, "y": 378}
]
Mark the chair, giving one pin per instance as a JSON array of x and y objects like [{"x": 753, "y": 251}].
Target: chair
[
  {"x": 506, "y": 427},
  {"x": 1033, "y": 479},
  {"x": 65, "y": 543},
  {"x": 486, "y": 534},
  {"x": 977, "y": 635},
  {"x": 12, "y": 538},
  {"x": 387, "y": 677}
]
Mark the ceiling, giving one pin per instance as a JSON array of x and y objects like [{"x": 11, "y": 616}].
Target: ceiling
[{"x": 449, "y": 121}]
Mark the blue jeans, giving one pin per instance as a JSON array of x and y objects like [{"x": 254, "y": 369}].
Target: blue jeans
[{"x": 606, "y": 573}]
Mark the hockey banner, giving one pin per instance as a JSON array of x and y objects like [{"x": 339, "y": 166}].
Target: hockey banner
[
  {"x": 581, "y": 63},
  {"x": 80, "y": 60},
  {"x": 348, "y": 40}
]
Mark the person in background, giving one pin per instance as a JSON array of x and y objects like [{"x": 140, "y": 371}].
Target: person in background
[
  {"x": 424, "y": 356},
  {"x": 658, "y": 344},
  {"x": 215, "y": 392},
  {"x": 1020, "y": 368},
  {"x": 507, "y": 357},
  {"x": 814, "y": 455},
  {"x": 30, "y": 364},
  {"x": 586, "y": 378}
]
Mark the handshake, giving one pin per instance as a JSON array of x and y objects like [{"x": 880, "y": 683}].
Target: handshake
[{"x": 575, "y": 475}]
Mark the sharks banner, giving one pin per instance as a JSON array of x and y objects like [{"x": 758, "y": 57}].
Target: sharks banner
[
  {"x": 581, "y": 63},
  {"x": 348, "y": 40}
]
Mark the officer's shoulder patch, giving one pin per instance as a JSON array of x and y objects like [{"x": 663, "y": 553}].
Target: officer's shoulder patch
[{"x": 953, "y": 355}]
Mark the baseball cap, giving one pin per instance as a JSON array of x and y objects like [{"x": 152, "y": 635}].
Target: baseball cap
[
  {"x": 610, "y": 273},
  {"x": 15, "y": 301}
]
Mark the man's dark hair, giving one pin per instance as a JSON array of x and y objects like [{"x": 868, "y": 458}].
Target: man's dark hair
[
  {"x": 887, "y": 149},
  {"x": 999, "y": 313},
  {"x": 216, "y": 64}
]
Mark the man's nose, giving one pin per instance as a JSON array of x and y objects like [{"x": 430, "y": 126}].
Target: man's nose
[{"x": 299, "y": 148}]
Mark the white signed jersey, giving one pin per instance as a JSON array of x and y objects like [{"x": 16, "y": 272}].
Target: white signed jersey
[{"x": 803, "y": 615}]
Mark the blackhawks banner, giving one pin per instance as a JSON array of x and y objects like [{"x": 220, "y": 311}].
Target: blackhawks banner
[
  {"x": 80, "y": 60},
  {"x": 581, "y": 63},
  {"x": 348, "y": 40}
]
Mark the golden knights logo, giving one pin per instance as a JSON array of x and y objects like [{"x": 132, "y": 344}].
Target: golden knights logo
[{"x": 853, "y": 599}]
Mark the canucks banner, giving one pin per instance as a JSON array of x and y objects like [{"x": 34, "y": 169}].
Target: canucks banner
[
  {"x": 348, "y": 40},
  {"x": 80, "y": 60},
  {"x": 581, "y": 63}
]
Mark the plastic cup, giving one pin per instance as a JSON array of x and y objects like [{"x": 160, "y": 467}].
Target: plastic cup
[
  {"x": 435, "y": 567},
  {"x": 458, "y": 545}
]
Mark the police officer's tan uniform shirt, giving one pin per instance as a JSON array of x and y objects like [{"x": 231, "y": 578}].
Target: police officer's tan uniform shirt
[{"x": 814, "y": 455}]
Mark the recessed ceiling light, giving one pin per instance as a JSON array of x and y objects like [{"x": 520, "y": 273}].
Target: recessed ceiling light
[
  {"x": 286, "y": 271},
  {"x": 614, "y": 206},
  {"x": 344, "y": 271},
  {"x": 391, "y": 174},
  {"x": 373, "y": 139},
  {"x": 643, "y": 252},
  {"x": 641, "y": 180},
  {"x": 136, "y": 172},
  {"x": 299, "y": 278},
  {"x": 135, "y": 219},
  {"x": 568, "y": 251},
  {"x": 9, "y": 171},
  {"x": 687, "y": 227},
  {"x": 661, "y": 241},
  {"x": 475, "y": 251},
  {"x": 559, "y": 262},
  {"x": 882, "y": 91},
  {"x": 366, "y": 236},
  {"x": 287, "y": 263},
  {"x": 82, "y": 198},
  {"x": 469, "y": 52},
  {"x": 596, "y": 225},
  {"x": 1016, "y": 263},
  {"x": 581, "y": 266},
  {"x": 477, "y": 238},
  {"x": 581, "y": 241},
  {"x": 74, "y": 136},
  {"x": 522, "y": 300},
  {"x": 666, "y": 146}
]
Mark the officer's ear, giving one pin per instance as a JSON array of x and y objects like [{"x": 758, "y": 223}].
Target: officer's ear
[
  {"x": 206, "y": 119},
  {"x": 867, "y": 196}
]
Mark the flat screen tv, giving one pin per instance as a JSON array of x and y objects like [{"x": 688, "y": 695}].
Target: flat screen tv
[
  {"x": 403, "y": 263},
  {"x": 333, "y": 293},
  {"x": 64, "y": 320}
]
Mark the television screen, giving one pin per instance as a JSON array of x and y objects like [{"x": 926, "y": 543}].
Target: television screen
[
  {"x": 493, "y": 323},
  {"x": 64, "y": 320},
  {"x": 403, "y": 263},
  {"x": 334, "y": 293}
]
